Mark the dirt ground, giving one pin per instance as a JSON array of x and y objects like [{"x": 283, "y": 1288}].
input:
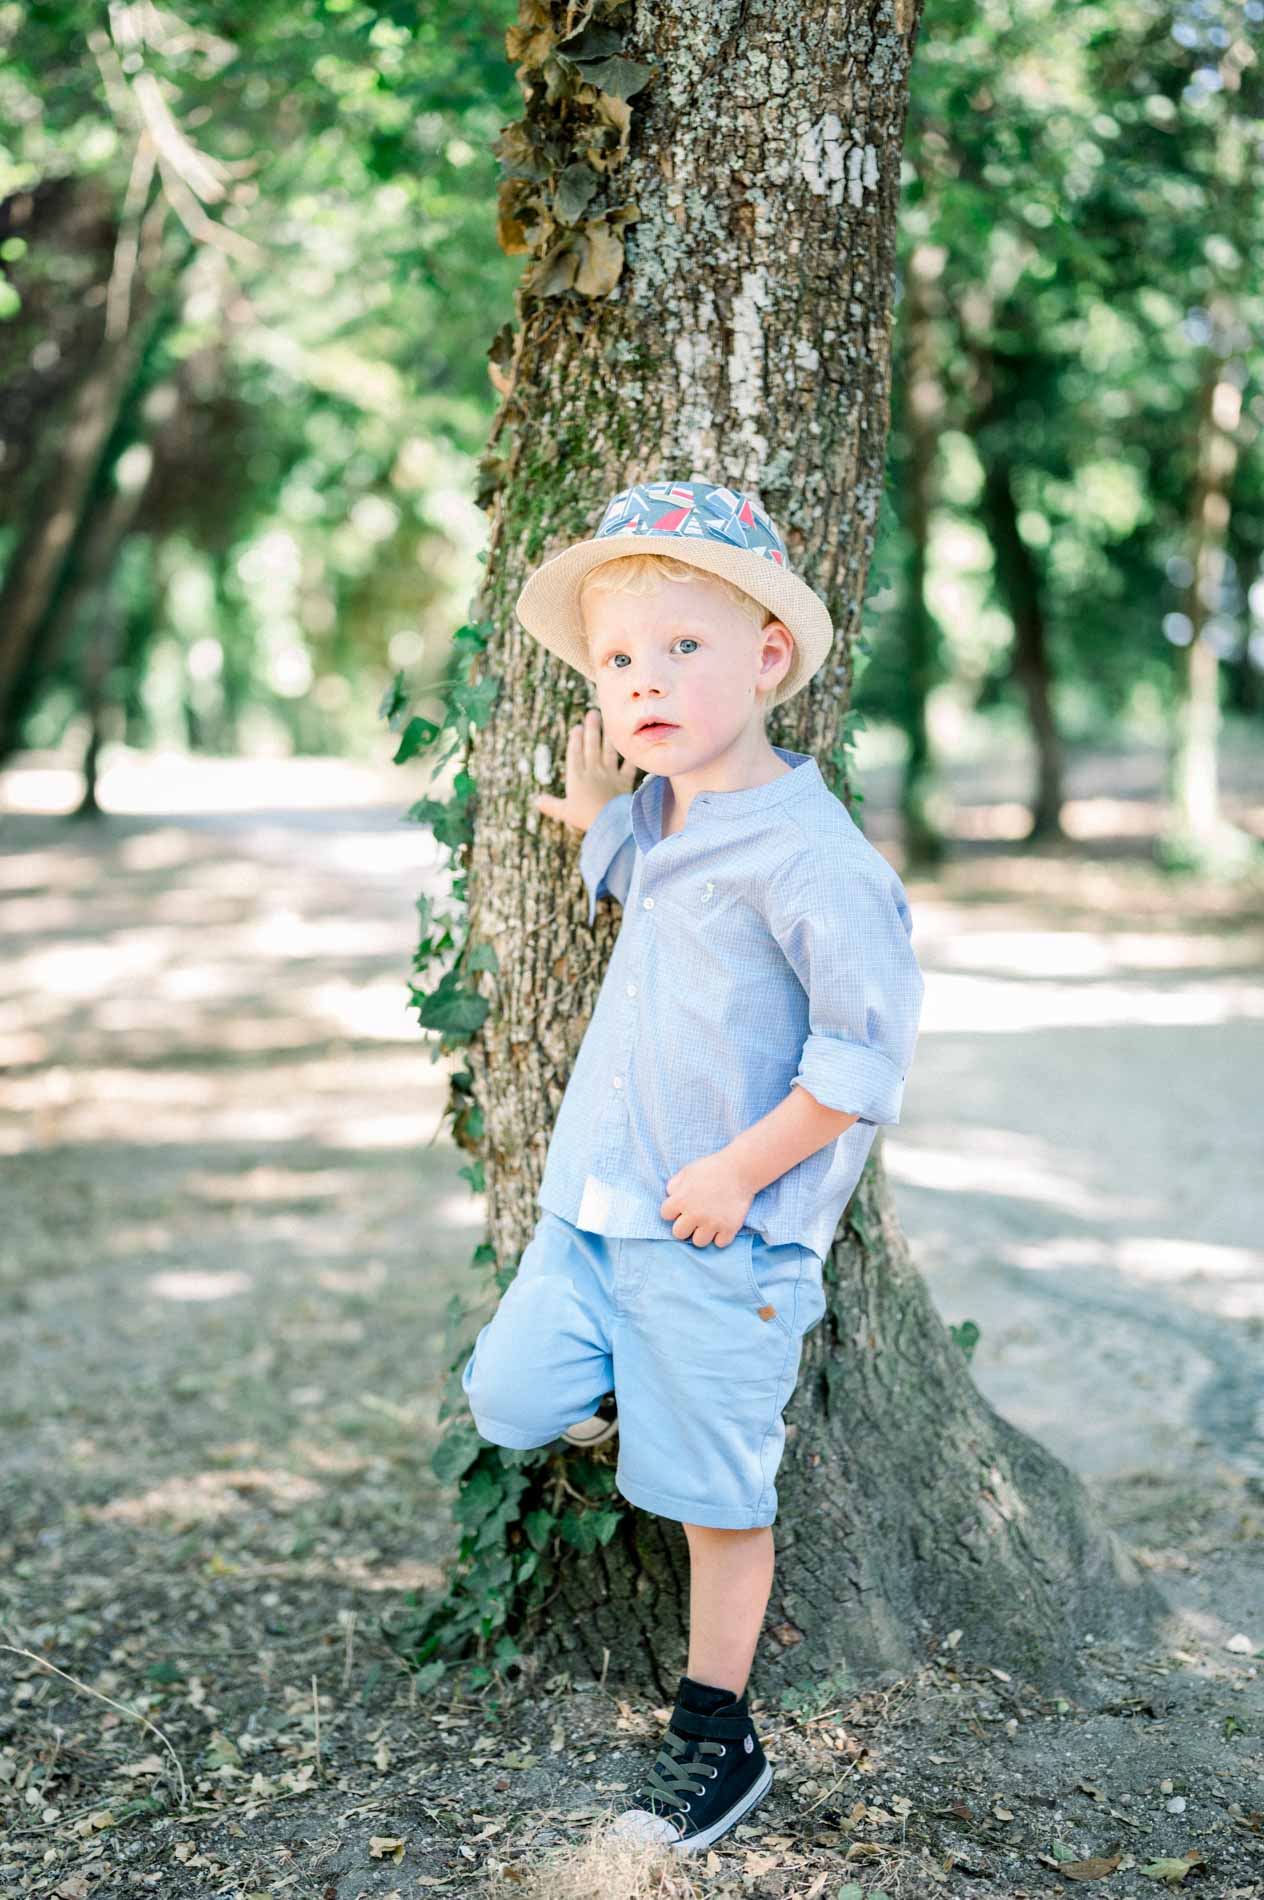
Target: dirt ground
[{"x": 228, "y": 1238}]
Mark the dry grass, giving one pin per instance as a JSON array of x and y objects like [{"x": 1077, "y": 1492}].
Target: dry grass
[{"x": 604, "y": 1866}]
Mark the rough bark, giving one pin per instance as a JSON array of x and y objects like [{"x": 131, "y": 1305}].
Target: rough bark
[{"x": 748, "y": 339}]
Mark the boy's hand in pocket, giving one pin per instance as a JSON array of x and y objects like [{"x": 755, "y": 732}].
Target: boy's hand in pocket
[{"x": 707, "y": 1200}]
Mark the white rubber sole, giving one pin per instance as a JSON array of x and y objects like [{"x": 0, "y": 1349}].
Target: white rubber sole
[{"x": 591, "y": 1431}]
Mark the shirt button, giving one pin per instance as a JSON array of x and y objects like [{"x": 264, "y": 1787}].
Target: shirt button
[
  {"x": 631, "y": 989},
  {"x": 649, "y": 903},
  {"x": 618, "y": 1081}
]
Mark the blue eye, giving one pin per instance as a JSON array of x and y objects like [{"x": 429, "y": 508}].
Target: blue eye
[{"x": 686, "y": 637}]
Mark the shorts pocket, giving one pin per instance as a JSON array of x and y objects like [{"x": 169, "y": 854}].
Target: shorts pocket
[{"x": 780, "y": 1280}]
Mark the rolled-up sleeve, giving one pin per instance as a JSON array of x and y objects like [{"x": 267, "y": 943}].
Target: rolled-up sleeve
[
  {"x": 608, "y": 851},
  {"x": 845, "y": 928}
]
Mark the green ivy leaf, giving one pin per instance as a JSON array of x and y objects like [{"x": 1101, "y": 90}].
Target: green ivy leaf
[
  {"x": 394, "y": 699},
  {"x": 426, "y": 811},
  {"x": 623, "y": 78},
  {"x": 595, "y": 1481},
  {"x": 539, "y": 1526},
  {"x": 455, "y": 1454},
  {"x": 418, "y": 734},
  {"x": 482, "y": 1493},
  {"x": 474, "y": 701},
  {"x": 966, "y": 1335},
  {"x": 575, "y": 188},
  {"x": 452, "y": 1009},
  {"x": 591, "y": 42},
  {"x": 579, "y": 1530}
]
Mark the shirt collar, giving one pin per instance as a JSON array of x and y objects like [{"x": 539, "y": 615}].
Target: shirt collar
[{"x": 746, "y": 802}]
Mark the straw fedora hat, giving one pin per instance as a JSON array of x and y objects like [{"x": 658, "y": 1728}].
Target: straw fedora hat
[{"x": 713, "y": 528}]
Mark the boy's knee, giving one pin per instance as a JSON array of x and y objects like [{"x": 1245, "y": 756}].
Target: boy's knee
[{"x": 505, "y": 1408}]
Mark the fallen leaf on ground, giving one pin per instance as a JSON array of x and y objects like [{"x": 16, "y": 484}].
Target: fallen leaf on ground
[{"x": 386, "y": 1847}]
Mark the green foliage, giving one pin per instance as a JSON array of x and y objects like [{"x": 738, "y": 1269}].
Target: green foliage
[
  {"x": 315, "y": 408},
  {"x": 510, "y": 1545},
  {"x": 815, "y": 1696},
  {"x": 967, "y": 1336}
]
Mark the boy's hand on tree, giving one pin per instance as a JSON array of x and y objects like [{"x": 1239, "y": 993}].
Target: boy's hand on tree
[
  {"x": 594, "y": 775},
  {"x": 706, "y": 1201}
]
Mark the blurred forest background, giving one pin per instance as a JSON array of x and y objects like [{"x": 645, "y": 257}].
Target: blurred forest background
[{"x": 253, "y": 300}]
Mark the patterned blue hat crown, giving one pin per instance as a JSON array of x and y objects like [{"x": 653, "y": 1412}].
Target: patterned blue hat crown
[{"x": 694, "y": 511}]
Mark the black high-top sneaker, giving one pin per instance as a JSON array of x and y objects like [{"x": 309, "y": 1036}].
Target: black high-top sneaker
[{"x": 710, "y": 1771}]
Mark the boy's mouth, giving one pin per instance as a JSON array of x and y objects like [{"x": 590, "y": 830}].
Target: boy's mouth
[{"x": 654, "y": 729}]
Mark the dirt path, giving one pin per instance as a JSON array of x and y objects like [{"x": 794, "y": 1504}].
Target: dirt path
[{"x": 225, "y": 1253}]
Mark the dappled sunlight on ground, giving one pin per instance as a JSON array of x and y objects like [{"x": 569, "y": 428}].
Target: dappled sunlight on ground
[
  {"x": 238, "y": 1257},
  {"x": 998, "y": 1164}
]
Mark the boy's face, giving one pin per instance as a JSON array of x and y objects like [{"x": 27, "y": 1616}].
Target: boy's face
[{"x": 687, "y": 658}]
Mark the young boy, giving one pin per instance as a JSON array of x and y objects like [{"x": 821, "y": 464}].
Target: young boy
[{"x": 755, "y": 1025}]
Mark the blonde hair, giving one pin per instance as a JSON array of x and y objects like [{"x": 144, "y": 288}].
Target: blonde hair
[{"x": 640, "y": 574}]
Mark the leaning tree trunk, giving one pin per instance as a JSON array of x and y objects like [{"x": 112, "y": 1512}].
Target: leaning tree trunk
[{"x": 709, "y": 294}]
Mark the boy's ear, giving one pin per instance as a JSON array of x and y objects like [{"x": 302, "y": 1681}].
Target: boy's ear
[{"x": 775, "y": 627}]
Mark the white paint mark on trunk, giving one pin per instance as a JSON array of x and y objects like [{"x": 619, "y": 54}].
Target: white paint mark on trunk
[
  {"x": 821, "y": 153},
  {"x": 746, "y": 360}
]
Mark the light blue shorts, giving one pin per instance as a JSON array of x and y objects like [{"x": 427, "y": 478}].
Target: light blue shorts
[{"x": 700, "y": 1346}]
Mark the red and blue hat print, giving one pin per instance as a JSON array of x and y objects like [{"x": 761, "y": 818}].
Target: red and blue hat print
[{"x": 694, "y": 511}]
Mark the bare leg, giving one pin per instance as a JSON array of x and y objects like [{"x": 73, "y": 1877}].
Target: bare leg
[{"x": 730, "y": 1578}]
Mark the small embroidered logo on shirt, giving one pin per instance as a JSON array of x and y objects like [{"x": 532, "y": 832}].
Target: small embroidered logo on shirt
[
  {"x": 748, "y": 1745},
  {"x": 709, "y": 889},
  {"x": 766, "y": 1312}
]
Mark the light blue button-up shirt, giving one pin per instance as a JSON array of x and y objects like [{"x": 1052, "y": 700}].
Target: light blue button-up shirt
[{"x": 764, "y": 945}]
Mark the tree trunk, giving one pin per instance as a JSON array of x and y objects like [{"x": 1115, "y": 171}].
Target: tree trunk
[
  {"x": 924, "y": 843},
  {"x": 1195, "y": 793},
  {"x": 1019, "y": 585},
  {"x": 747, "y": 339},
  {"x": 1197, "y": 835},
  {"x": 138, "y": 287}
]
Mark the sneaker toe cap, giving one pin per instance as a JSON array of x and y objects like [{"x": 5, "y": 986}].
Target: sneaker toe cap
[{"x": 638, "y": 1824}]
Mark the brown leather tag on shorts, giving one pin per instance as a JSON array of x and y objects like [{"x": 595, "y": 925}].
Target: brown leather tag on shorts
[{"x": 766, "y": 1312}]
